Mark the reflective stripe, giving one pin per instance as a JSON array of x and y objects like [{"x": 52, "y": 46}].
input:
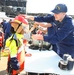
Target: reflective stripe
[
  {"x": 13, "y": 56},
  {"x": 21, "y": 48}
]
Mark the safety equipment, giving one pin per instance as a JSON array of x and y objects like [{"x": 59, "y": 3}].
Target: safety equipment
[
  {"x": 19, "y": 19},
  {"x": 20, "y": 58},
  {"x": 19, "y": 53}
]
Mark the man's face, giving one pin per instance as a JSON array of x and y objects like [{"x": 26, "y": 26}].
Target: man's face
[{"x": 59, "y": 17}]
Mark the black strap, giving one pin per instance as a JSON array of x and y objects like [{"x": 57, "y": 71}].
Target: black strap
[
  {"x": 18, "y": 26},
  {"x": 15, "y": 31}
]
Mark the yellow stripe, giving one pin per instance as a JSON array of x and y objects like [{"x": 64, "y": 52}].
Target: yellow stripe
[
  {"x": 21, "y": 48},
  {"x": 19, "y": 22}
]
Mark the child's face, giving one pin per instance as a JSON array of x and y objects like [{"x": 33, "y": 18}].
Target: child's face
[{"x": 20, "y": 29}]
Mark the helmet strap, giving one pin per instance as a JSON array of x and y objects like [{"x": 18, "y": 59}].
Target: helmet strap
[
  {"x": 15, "y": 31},
  {"x": 18, "y": 26}
]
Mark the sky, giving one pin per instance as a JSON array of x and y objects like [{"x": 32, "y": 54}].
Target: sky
[{"x": 45, "y": 6}]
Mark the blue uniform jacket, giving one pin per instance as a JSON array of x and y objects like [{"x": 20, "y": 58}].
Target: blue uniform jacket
[
  {"x": 8, "y": 27},
  {"x": 4, "y": 26},
  {"x": 61, "y": 34}
]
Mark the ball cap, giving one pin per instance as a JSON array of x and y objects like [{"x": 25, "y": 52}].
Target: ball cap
[{"x": 59, "y": 8}]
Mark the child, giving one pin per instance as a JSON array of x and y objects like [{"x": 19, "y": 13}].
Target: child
[{"x": 16, "y": 46}]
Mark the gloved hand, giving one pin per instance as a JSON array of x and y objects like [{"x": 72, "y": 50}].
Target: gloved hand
[{"x": 14, "y": 63}]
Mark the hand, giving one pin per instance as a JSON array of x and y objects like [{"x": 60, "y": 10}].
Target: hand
[
  {"x": 45, "y": 25},
  {"x": 27, "y": 17},
  {"x": 37, "y": 37},
  {"x": 39, "y": 32},
  {"x": 35, "y": 25},
  {"x": 40, "y": 29},
  {"x": 28, "y": 54}
]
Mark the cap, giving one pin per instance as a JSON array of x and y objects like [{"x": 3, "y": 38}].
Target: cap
[
  {"x": 20, "y": 19},
  {"x": 59, "y": 8}
]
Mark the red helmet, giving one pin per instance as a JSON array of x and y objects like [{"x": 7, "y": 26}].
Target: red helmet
[{"x": 20, "y": 19}]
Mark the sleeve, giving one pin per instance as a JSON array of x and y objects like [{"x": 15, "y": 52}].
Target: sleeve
[
  {"x": 60, "y": 34},
  {"x": 44, "y": 19}
]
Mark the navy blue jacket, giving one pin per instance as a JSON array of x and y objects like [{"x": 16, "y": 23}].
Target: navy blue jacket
[
  {"x": 61, "y": 33},
  {"x": 8, "y": 28},
  {"x": 4, "y": 26}
]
